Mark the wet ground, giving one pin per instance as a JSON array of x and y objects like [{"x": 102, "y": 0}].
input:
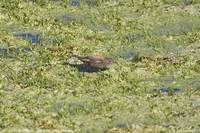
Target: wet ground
[{"x": 153, "y": 86}]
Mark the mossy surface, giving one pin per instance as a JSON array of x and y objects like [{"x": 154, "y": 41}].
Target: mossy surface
[{"x": 153, "y": 87}]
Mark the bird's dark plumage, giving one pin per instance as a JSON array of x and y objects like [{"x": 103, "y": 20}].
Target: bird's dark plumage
[{"x": 97, "y": 62}]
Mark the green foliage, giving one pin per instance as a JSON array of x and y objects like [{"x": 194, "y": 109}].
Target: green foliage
[{"x": 155, "y": 44}]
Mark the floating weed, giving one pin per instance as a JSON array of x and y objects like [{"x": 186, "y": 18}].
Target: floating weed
[
  {"x": 10, "y": 52},
  {"x": 14, "y": 28},
  {"x": 68, "y": 18},
  {"x": 130, "y": 15},
  {"x": 130, "y": 55},
  {"x": 99, "y": 27},
  {"x": 127, "y": 53},
  {"x": 72, "y": 108},
  {"x": 38, "y": 92},
  {"x": 172, "y": 85},
  {"x": 134, "y": 37},
  {"x": 179, "y": 25},
  {"x": 145, "y": 50},
  {"x": 91, "y": 3}
]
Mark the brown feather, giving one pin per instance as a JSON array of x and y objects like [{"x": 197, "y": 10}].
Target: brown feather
[{"x": 97, "y": 62}]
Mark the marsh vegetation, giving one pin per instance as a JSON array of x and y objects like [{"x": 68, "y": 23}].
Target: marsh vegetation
[{"x": 153, "y": 87}]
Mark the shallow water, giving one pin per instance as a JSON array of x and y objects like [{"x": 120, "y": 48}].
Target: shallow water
[
  {"x": 30, "y": 37},
  {"x": 168, "y": 90},
  {"x": 3, "y": 52},
  {"x": 178, "y": 25},
  {"x": 67, "y": 18},
  {"x": 75, "y": 3},
  {"x": 171, "y": 84}
]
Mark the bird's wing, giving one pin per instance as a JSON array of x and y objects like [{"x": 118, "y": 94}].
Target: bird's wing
[
  {"x": 97, "y": 59},
  {"x": 90, "y": 59},
  {"x": 84, "y": 59}
]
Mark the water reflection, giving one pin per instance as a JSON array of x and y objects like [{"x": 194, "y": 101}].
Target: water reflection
[
  {"x": 30, "y": 37},
  {"x": 168, "y": 90},
  {"x": 75, "y": 3},
  {"x": 3, "y": 52}
]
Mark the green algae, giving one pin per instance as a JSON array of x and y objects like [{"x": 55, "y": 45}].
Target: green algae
[{"x": 155, "y": 45}]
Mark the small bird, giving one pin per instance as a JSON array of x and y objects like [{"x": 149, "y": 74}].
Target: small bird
[{"x": 96, "y": 62}]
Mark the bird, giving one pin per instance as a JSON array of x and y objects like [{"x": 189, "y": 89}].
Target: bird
[{"x": 96, "y": 62}]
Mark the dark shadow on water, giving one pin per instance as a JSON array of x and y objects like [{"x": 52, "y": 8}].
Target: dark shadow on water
[
  {"x": 84, "y": 68},
  {"x": 31, "y": 37}
]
